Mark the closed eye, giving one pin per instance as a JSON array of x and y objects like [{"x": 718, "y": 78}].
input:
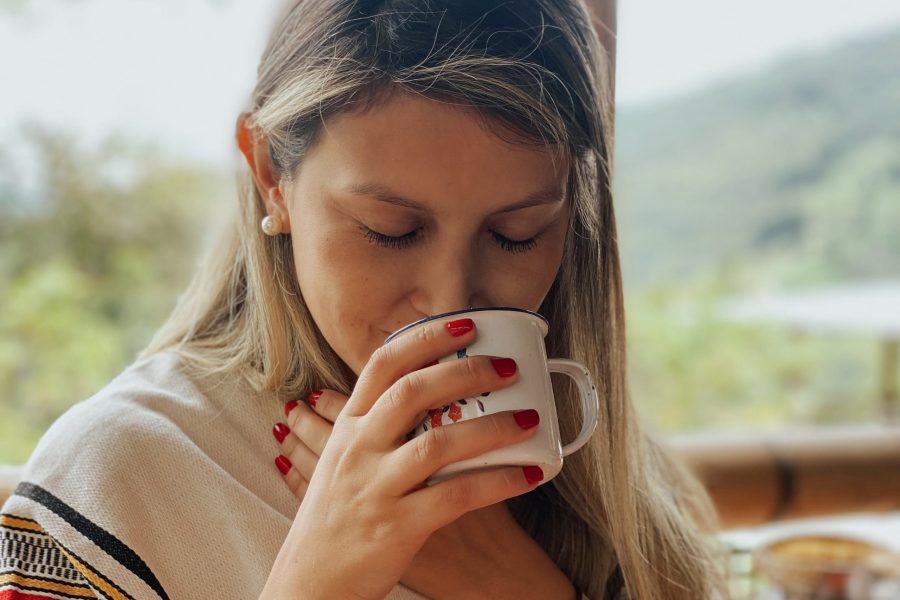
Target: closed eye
[
  {"x": 389, "y": 241},
  {"x": 515, "y": 246},
  {"x": 400, "y": 242}
]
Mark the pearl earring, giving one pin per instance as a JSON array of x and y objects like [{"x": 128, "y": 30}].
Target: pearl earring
[{"x": 271, "y": 225}]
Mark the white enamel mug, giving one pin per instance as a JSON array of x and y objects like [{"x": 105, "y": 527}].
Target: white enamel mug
[{"x": 517, "y": 334}]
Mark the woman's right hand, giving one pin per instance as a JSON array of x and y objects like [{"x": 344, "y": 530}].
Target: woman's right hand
[{"x": 367, "y": 511}]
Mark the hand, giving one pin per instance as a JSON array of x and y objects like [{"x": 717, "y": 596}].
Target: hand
[
  {"x": 352, "y": 536},
  {"x": 484, "y": 553}
]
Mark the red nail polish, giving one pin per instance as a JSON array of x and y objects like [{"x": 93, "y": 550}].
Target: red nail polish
[
  {"x": 460, "y": 327},
  {"x": 283, "y": 464},
  {"x": 532, "y": 474},
  {"x": 289, "y": 407},
  {"x": 505, "y": 367},
  {"x": 527, "y": 418},
  {"x": 280, "y": 431},
  {"x": 314, "y": 397}
]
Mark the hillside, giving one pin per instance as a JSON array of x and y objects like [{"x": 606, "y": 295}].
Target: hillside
[{"x": 793, "y": 171}]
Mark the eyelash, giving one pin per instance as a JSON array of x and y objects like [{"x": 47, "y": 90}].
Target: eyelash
[{"x": 407, "y": 239}]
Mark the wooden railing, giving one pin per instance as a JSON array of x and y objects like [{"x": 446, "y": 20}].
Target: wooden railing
[{"x": 755, "y": 479}]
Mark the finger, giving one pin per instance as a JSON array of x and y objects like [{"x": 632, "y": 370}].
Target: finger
[
  {"x": 419, "y": 458},
  {"x": 404, "y": 354},
  {"x": 327, "y": 403},
  {"x": 300, "y": 456},
  {"x": 310, "y": 427},
  {"x": 439, "y": 505},
  {"x": 396, "y": 411},
  {"x": 295, "y": 451},
  {"x": 295, "y": 481}
]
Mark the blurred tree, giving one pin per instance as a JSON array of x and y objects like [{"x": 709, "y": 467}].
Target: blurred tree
[{"x": 91, "y": 265}]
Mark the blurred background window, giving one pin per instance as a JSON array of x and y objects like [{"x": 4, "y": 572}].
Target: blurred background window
[{"x": 757, "y": 167}]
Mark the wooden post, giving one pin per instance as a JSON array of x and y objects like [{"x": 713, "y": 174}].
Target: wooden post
[{"x": 604, "y": 16}]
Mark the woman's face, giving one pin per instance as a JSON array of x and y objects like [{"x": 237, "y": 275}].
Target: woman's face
[{"x": 412, "y": 209}]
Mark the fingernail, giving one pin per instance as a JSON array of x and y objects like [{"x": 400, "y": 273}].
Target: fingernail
[
  {"x": 280, "y": 431},
  {"x": 527, "y": 418},
  {"x": 289, "y": 407},
  {"x": 505, "y": 367},
  {"x": 532, "y": 474},
  {"x": 314, "y": 397},
  {"x": 460, "y": 327},
  {"x": 283, "y": 464}
]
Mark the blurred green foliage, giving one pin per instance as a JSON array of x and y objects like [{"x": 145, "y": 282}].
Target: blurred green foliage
[
  {"x": 787, "y": 178},
  {"x": 690, "y": 369},
  {"x": 92, "y": 261}
]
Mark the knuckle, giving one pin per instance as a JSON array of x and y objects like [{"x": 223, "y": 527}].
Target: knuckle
[
  {"x": 498, "y": 427},
  {"x": 432, "y": 446},
  {"x": 407, "y": 387},
  {"x": 514, "y": 479},
  {"x": 427, "y": 334},
  {"x": 459, "y": 495},
  {"x": 470, "y": 369},
  {"x": 382, "y": 357}
]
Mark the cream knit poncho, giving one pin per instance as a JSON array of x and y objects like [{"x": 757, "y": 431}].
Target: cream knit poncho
[{"x": 159, "y": 486}]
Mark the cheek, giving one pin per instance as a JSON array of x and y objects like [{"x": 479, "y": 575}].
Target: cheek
[{"x": 346, "y": 290}]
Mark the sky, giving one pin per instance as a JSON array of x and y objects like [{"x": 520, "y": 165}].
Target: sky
[{"x": 179, "y": 71}]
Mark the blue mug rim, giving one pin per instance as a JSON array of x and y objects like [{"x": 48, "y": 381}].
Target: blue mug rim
[{"x": 464, "y": 310}]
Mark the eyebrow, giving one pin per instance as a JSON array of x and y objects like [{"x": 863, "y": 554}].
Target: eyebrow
[{"x": 382, "y": 193}]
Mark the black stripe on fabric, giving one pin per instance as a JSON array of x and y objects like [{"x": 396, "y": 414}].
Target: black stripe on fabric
[
  {"x": 51, "y": 557},
  {"x": 105, "y": 540},
  {"x": 47, "y": 579},
  {"x": 12, "y": 516},
  {"x": 9, "y": 528},
  {"x": 93, "y": 570}
]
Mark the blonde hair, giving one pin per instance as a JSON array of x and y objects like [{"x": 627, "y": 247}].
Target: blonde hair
[{"x": 621, "y": 514}]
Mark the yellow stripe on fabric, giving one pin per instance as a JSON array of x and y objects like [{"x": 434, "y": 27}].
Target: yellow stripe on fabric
[
  {"x": 92, "y": 576},
  {"x": 9, "y": 521},
  {"x": 46, "y": 586}
]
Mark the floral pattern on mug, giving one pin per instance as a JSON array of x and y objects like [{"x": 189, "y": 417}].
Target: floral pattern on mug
[{"x": 453, "y": 412}]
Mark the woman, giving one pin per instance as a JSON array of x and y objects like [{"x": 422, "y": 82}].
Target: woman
[{"x": 405, "y": 158}]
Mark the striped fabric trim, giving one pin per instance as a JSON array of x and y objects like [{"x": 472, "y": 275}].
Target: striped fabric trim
[
  {"x": 103, "y": 539},
  {"x": 33, "y": 565}
]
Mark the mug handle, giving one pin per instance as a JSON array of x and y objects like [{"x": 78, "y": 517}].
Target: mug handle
[{"x": 590, "y": 405}]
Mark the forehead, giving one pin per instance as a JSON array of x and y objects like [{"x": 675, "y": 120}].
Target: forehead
[{"x": 430, "y": 150}]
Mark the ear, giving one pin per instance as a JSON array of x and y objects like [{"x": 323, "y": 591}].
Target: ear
[{"x": 255, "y": 148}]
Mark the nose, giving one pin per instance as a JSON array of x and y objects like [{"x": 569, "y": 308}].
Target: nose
[{"x": 447, "y": 283}]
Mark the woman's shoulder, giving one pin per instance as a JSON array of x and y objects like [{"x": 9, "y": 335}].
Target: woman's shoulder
[
  {"x": 129, "y": 475},
  {"x": 84, "y": 480},
  {"x": 149, "y": 407},
  {"x": 142, "y": 390}
]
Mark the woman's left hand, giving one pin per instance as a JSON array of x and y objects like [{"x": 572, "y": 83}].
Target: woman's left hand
[{"x": 484, "y": 553}]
